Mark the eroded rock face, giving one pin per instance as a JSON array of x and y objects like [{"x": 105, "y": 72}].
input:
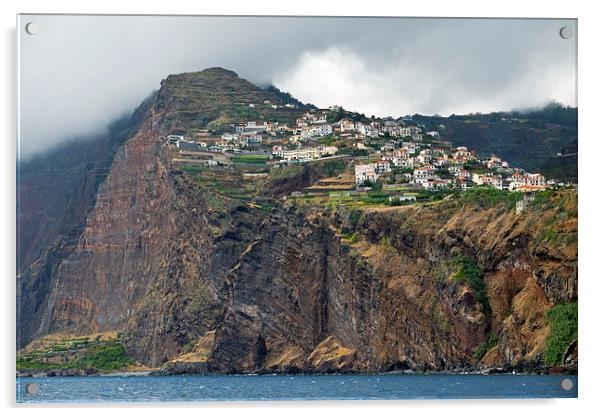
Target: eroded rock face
[
  {"x": 57, "y": 191},
  {"x": 147, "y": 261},
  {"x": 510, "y": 251},
  {"x": 298, "y": 285},
  {"x": 388, "y": 299},
  {"x": 288, "y": 293}
]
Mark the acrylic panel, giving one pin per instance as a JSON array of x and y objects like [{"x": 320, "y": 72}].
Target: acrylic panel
[{"x": 296, "y": 208}]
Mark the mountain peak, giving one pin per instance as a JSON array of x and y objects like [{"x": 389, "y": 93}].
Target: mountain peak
[
  {"x": 216, "y": 70},
  {"x": 216, "y": 96},
  {"x": 208, "y": 73}
]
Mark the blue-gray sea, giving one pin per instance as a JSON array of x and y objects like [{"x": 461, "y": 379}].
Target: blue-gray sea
[{"x": 292, "y": 387}]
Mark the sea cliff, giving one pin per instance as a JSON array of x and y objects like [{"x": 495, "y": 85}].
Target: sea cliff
[{"x": 208, "y": 271}]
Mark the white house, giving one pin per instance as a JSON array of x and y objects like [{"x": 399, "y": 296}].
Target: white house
[
  {"x": 463, "y": 154},
  {"x": 230, "y": 137},
  {"x": 365, "y": 173},
  {"x": 488, "y": 179},
  {"x": 463, "y": 175},
  {"x": 422, "y": 173},
  {"x": 454, "y": 169},
  {"x": 382, "y": 166},
  {"x": 316, "y": 131},
  {"x": 174, "y": 139},
  {"x": 256, "y": 126},
  {"x": 322, "y": 130},
  {"x": 527, "y": 180},
  {"x": 496, "y": 163},
  {"x": 304, "y": 153},
  {"x": 251, "y": 139},
  {"x": 346, "y": 125},
  {"x": 405, "y": 131}
]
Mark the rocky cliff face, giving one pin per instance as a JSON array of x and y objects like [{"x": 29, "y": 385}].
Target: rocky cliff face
[
  {"x": 285, "y": 287},
  {"x": 143, "y": 262},
  {"x": 388, "y": 300},
  {"x": 56, "y": 192}
]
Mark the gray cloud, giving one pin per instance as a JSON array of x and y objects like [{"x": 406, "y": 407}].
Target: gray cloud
[{"x": 81, "y": 72}]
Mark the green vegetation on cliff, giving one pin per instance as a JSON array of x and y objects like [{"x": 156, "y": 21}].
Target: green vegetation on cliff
[
  {"x": 485, "y": 346},
  {"x": 563, "y": 322},
  {"x": 106, "y": 357},
  {"x": 487, "y": 197},
  {"x": 76, "y": 353},
  {"x": 563, "y": 208},
  {"x": 470, "y": 273}
]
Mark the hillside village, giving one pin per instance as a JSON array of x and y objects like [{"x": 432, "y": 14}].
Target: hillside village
[{"x": 395, "y": 155}]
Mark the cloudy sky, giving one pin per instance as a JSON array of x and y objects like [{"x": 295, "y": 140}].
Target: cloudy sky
[{"x": 80, "y": 72}]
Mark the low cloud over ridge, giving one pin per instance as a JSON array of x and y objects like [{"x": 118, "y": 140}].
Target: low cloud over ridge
[{"x": 81, "y": 72}]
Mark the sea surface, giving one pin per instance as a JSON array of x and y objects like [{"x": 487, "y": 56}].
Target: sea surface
[{"x": 291, "y": 387}]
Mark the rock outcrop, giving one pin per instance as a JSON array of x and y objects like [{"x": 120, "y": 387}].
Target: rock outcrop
[{"x": 389, "y": 298}]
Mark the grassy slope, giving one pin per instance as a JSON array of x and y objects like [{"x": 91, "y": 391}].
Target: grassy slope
[
  {"x": 216, "y": 97},
  {"x": 102, "y": 352}
]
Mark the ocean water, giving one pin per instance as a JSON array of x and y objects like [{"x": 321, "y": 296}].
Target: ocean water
[{"x": 292, "y": 387}]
